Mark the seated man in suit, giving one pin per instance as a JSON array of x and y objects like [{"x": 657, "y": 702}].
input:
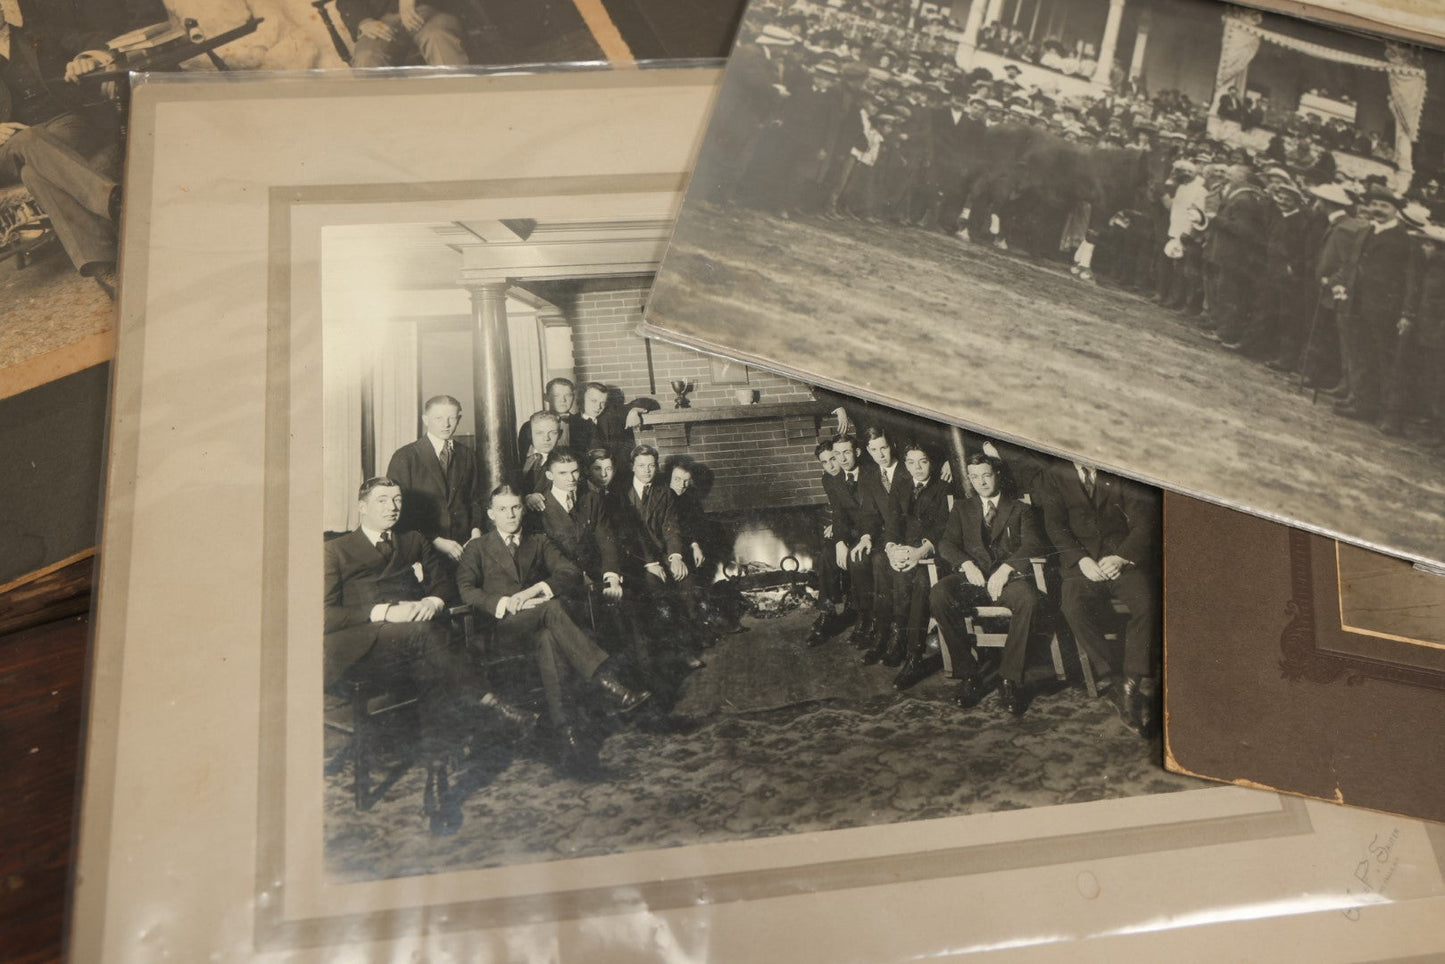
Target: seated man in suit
[
  {"x": 601, "y": 470},
  {"x": 720, "y": 602},
  {"x": 877, "y": 510},
  {"x": 388, "y": 32},
  {"x": 440, "y": 481},
  {"x": 575, "y": 518},
  {"x": 561, "y": 394},
  {"x": 546, "y": 431},
  {"x": 654, "y": 550},
  {"x": 516, "y": 579},
  {"x": 1106, "y": 532},
  {"x": 987, "y": 549},
  {"x": 832, "y": 564},
  {"x": 914, "y": 534},
  {"x": 844, "y": 495},
  {"x": 382, "y": 626}
]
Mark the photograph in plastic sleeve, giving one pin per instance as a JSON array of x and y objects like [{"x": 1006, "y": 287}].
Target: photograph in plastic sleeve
[
  {"x": 1196, "y": 243},
  {"x": 1338, "y": 651},
  {"x": 692, "y": 742},
  {"x": 64, "y": 113},
  {"x": 647, "y": 599}
]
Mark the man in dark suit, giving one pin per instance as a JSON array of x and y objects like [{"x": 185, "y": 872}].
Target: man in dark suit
[
  {"x": 575, "y": 518},
  {"x": 516, "y": 580},
  {"x": 988, "y": 548},
  {"x": 1327, "y": 355},
  {"x": 832, "y": 567},
  {"x": 654, "y": 554},
  {"x": 844, "y": 494},
  {"x": 604, "y": 425},
  {"x": 389, "y": 32},
  {"x": 917, "y": 528},
  {"x": 440, "y": 481},
  {"x": 1236, "y": 248},
  {"x": 1106, "y": 532},
  {"x": 1375, "y": 302},
  {"x": 382, "y": 620},
  {"x": 877, "y": 511},
  {"x": 561, "y": 394},
  {"x": 545, "y": 435}
]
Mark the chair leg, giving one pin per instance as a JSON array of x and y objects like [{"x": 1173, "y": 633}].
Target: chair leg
[
  {"x": 1088, "y": 669},
  {"x": 359, "y": 764},
  {"x": 1058, "y": 656}
]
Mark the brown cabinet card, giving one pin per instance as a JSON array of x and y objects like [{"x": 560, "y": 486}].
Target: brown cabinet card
[
  {"x": 1190, "y": 241},
  {"x": 1301, "y": 664},
  {"x": 220, "y": 815}
]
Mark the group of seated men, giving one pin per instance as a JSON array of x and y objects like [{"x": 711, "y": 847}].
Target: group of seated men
[
  {"x": 565, "y": 547},
  {"x": 904, "y": 546}
]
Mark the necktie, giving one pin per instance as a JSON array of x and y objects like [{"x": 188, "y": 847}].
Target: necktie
[
  {"x": 1089, "y": 485},
  {"x": 384, "y": 545},
  {"x": 990, "y": 512},
  {"x": 569, "y": 501},
  {"x": 446, "y": 456},
  {"x": 887, "y": 481},
  {"x": 917, "y": 488},
  {"x": 511, "y": 541}
]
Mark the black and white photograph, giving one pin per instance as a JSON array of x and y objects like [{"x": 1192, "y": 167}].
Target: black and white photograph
[
  {"x": 1196, "y": 243},
  {"x": 587, "y": 593},
  {"x": 64, "y": 96}
]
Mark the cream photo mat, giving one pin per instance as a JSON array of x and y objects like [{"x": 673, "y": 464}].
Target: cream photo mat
[{"x": 200, "y": 819}]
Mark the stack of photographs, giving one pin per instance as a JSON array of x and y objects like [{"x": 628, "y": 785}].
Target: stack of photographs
[{"x": 445, "y": 615}]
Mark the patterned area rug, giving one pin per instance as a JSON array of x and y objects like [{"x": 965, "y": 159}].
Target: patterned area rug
[{"x": 779, "y": 739}]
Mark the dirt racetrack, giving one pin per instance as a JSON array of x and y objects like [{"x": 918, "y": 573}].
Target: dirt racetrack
[{"x": 993, "y": 341}]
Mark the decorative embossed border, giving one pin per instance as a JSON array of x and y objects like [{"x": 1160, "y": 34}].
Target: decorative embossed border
[{"x": 1303, "y": 658}]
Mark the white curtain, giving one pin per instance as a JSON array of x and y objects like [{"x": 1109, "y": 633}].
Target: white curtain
[{"x": 1240, "y": 46}]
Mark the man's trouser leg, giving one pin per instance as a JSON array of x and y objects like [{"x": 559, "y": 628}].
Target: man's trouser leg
[
  {"x": 46, "y": 159},
  {"x": 440, "y": 39}
]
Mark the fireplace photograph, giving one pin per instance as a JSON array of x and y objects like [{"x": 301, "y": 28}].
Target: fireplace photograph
[{"x": 589, "y": 593}]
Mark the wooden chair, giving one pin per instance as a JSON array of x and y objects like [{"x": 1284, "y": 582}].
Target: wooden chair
[
  {"x": 992, "y": 638},
  {"x": 359, "y": 711}
]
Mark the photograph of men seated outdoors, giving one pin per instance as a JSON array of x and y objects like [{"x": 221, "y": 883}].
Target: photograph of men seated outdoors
[
  {"x": 588, "y": 594},
  {"x": 1196, "y": 242},
  {"x": 63, "y": 103}
]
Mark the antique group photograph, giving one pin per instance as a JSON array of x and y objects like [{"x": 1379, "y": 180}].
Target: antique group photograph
[
  {"x": 587, "y": 593},
  {"x": 1197, "y": 243}
]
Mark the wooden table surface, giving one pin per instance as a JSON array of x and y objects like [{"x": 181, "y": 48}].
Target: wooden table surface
[{"x": 41, "y": 705}]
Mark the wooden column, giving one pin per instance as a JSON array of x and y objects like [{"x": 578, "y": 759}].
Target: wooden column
[
  {"x": 496, "y": 419},
  {"x": 1110, "y": 45}
]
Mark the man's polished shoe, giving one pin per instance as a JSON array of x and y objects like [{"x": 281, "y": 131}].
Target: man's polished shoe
[
  {"x": 916, "y": 669},
  {"x": 897, "y": 647},
  {"x": 862, "y": 633},
  {"x": 1141, "y": 708},
  {"x": 1011, "y": 697},
  {"x": 576, "y": 756},
  {"x": 624, "y": 699},
  {"x": 971, "y": 690},
  {"x": 880, "y": 647},
  {"x": 822, "y": 630},
  {"x": 520, "y": 721}
]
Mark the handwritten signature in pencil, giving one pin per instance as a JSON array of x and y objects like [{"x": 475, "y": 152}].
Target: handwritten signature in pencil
[{"x": 1372, "y": 874}]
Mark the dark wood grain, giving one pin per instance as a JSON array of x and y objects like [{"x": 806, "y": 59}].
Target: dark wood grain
[
  {"x": 41, "y": 696},
  {"x": 47, "y": 598}
]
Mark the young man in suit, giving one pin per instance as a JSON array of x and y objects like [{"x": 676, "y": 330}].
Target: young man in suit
[
  {"x": 1106, "y": 532},
  {"x": 987, "y": 549},
  {"x": 440, "y": 481},
  {"x": 603, "y": 425},
  {"x": 917, "y": 528},
  {"x": 655, "y": 552},
  {"x": 546, "y": 433},
  {"x": 877, "y": 492},
  {"x": 382, "y": 620},
  {"x": 844, "y": 493},
  {"x": 832, "y": 574},
  {"x": 516, "y": 579},
  {"x": 561, "y": 394}
]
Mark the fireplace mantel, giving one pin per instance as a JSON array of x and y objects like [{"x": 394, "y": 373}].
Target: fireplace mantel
[{"x": 679, "y": 421}]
